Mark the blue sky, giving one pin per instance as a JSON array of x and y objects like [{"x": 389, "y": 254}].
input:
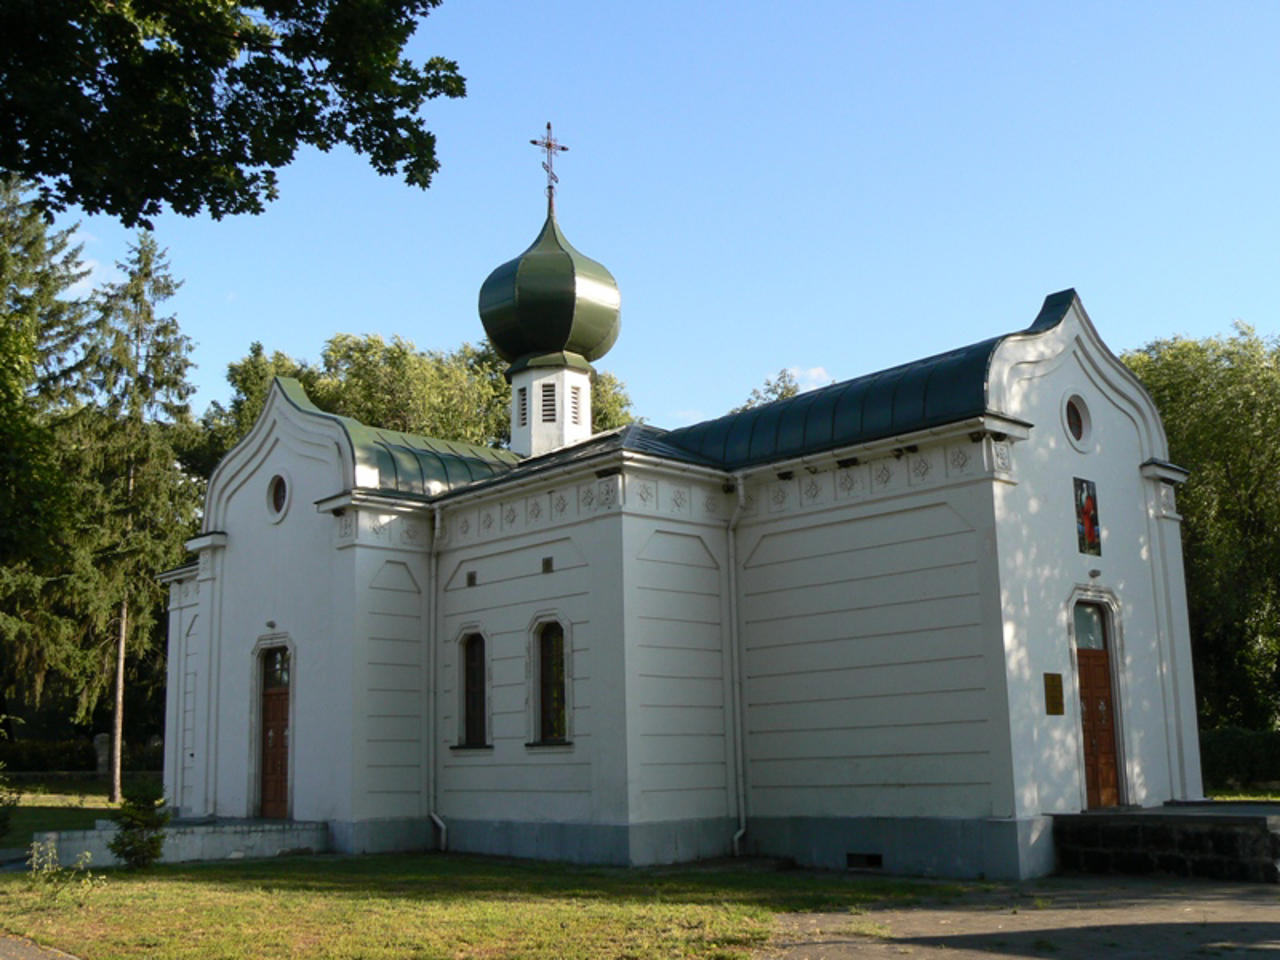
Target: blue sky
[{"x": 834, "y": 187}]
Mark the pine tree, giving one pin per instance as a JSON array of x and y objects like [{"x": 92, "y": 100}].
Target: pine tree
[
  {"x": 141, "y": 505},
  {"x": 46, "y": 344},
  {"x": 43, "y": 349}
]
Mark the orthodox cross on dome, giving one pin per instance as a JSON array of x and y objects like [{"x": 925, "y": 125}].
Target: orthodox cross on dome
[{"x": 551, "y": 146}]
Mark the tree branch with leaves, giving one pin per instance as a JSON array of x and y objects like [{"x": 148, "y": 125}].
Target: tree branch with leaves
[{"x": 125, "y": 108}]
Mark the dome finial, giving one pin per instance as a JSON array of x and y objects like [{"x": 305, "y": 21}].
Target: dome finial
[{"x": 551, "y": 146}]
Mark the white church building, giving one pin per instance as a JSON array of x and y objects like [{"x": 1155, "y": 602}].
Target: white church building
[{"x": 896, "y": 622}]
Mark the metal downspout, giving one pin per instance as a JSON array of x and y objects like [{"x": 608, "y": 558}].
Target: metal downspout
[
  {"x": 433, "y": 619},
  {"x": 735, "y": 664}
]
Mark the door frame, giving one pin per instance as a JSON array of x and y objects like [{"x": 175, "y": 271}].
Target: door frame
[
  {"x": 267, "y": 642},
  {"x": 1113, "y": 625}
]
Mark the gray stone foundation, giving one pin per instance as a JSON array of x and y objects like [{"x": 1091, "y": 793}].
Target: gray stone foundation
[
  {"x": 915, "y": 846},
  {"x": 382, "y": 836},
  {"x": 636, "y": 844}
]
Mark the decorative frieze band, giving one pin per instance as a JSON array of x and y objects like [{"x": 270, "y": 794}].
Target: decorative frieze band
[
  {"x": 701, "y": 500},
  {"x": 902, "y": 471},
  {"x": 376, "y": 528}
]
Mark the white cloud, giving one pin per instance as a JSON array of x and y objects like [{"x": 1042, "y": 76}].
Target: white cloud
[
  {"x": 99, "y": 272},
  {"x": 689, "y": 416},
  {"x": 810, "y": 378}
]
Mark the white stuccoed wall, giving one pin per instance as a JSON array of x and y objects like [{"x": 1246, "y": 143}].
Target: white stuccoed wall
[
  {"x": 679, "y": 679},
  {"x": 260, "y": 571},
  {"x": 504, "y": 542},
  {"x": 1043, "y": 574},
  {"x": 874, "y": 684},
  {"x": 388, "y": 665}
]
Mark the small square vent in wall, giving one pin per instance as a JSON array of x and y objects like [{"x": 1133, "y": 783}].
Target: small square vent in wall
[{"x": 863, "y": 861}]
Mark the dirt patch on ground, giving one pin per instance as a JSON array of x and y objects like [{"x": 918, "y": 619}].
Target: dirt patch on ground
[{"x": 1070, "y": 918}]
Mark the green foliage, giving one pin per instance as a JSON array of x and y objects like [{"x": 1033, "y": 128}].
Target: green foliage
[
  {"x": 140, "y": 823},
  {"x": 610, "y": 404},
  {"x": 47, "y": 344},
  {"x": 42, "y": 331},
  {"x": 10, "y": 796},
  {"x": 221, "y": 428},
  {"x": 40, "y": 756},
  {"x": 398, "y": 387},
  {"x": 126, "y": 107},
  {"x": 105, "y": 385},
  {"x": 461, "y": 395},
  {"x": 1220, "y": 402},
  {"x": 1232, "y": 757},
  {"x": 54, "y": 882},
  {"x": 781, "y": 387},
  {"x": 133, "y": 508}
]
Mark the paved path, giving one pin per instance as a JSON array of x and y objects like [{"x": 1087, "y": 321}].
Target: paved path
[
  {"x": 20, "y": 948},
  {"x": 1080, "y": 918}
]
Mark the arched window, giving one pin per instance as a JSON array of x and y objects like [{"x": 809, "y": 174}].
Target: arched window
[
  {"x": 473, "y": 691},
  {"x": 552, "y": 719}
]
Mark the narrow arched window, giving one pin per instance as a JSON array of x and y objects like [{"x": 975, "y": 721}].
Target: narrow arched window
[
  {"x": 473, "y": 691},
  {"x": 552, "y": 725}
]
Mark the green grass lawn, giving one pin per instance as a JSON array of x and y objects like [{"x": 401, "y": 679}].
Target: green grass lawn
[
  {"x": 1255, "y": 795},
  {"x": 431, "y": 905},
  {"x": 423, "y": 905},
  {"x": 70, "y": 804},
  {"x": 426, "y": 905}
]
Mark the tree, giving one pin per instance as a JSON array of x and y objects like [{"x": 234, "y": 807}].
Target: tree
[
  {"x": 42, "y": 336},
  {"x": 221, "y": 428},
  {"x": 462, "y": 395},
  {"x": 610, "y": 403},
  {"x": 126, "y": 107},
  {"x": 1220, "y": 402},
  {"x": 139, "y": 506},
  {"x": 46, "y": 338},
  {"x": 781, "y": 387},
  {"x": 398, "y": 387}
]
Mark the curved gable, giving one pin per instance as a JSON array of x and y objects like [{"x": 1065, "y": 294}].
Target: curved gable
[
  {"x": 364, "y": 458},
  {"x": 1063, "y": 335}
]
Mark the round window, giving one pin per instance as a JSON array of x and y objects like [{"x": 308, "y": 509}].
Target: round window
[
  {"x": 1076, "y": 419},
  {"x": 278, "y": 494}
]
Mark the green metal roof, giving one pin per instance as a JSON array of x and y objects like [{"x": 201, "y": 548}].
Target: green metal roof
[
  {"x": 551, "y": 305},
  {"x": 943, "y": 389},
  {"x": 937, "y": 390},
  {"x": 407, "y": 463}
]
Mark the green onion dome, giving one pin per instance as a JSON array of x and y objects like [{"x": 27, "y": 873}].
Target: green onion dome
[{"x": 550, "y": 306}]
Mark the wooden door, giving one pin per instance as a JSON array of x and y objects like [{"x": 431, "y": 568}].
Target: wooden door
[
  {"x": 1097, "y": 708},
  {"x": 275, "y": 734}
]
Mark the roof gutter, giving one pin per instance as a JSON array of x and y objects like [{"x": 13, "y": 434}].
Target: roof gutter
[
  {"x": 433, "y": 633},
  {"x": 735, "y": 667}
]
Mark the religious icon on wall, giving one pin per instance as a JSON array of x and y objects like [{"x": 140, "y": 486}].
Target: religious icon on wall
[{"x": 1087, "y": 529}]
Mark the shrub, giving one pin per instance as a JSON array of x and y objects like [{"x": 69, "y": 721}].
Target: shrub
[
  {"x": 144, "y": 757},
  {"x": 54, "y": 881},
  {"x": 9, "y": 797},
  {"x": 44, "y": 756},
  {"x": 140, "y": 823},
  {"x": 1230, "y": 756}
]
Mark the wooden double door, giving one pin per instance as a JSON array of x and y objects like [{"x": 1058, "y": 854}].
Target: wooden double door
[
  {"x": 274, "y": 798},
  {"x": 1097, "y": 706}
]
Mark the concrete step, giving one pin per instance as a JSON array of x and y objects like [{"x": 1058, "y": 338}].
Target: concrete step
[{"x": 1238, "y": 842}]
